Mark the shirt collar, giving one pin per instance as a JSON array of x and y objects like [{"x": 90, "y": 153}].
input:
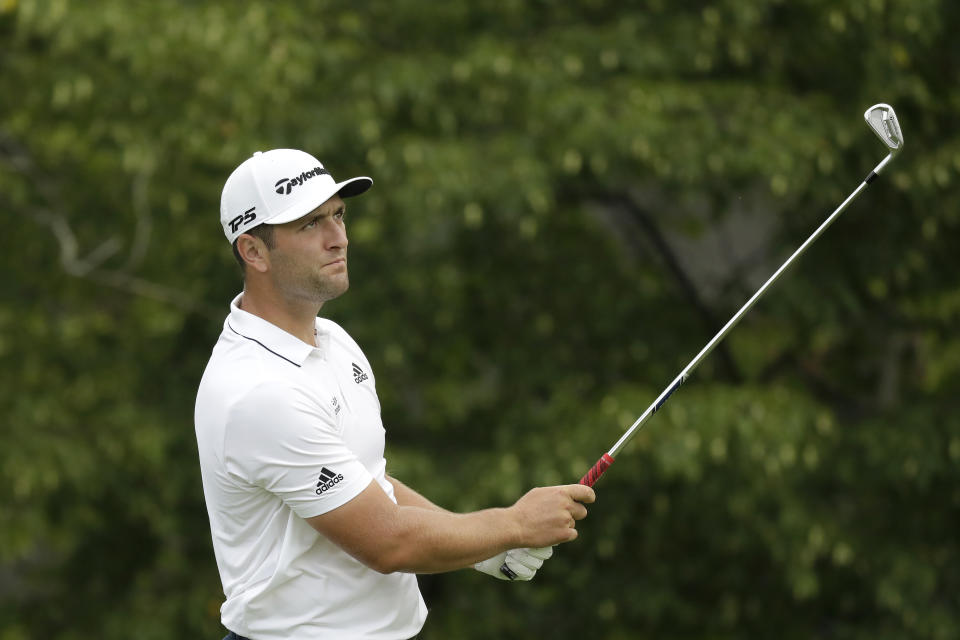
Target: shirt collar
[{"x": 272, "y": 338}]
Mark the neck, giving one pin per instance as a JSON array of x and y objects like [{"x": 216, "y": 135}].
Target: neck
[{"x": 296, "y": 317}]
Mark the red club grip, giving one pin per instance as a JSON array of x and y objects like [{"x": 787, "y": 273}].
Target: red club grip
[{"x": 597, "y": 470}]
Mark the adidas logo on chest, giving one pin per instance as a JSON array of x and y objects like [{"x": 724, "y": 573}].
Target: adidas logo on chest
[{"x": 358, "y": 374}]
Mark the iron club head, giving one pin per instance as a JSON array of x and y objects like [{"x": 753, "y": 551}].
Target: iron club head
[{"x": 883, "y": 121}]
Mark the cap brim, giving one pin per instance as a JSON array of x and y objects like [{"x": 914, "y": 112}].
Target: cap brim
[
  {"x": 354, "y": 186},
  {"x": 345, "y": 189}
]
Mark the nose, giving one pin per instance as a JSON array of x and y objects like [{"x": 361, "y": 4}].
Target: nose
[{"x": 336, "y": 235}]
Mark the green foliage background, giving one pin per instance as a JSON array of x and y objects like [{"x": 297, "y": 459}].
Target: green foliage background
[{"x": 570, "y": 199}]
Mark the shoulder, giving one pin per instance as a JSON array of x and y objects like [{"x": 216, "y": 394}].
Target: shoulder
[
  {"x": 245, "y": 383},
  {"x": 269, "y": 394},
  {"x": 274, "y": 410},
  {"x": 237, "y": 357}
]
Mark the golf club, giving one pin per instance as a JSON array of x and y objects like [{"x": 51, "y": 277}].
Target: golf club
[{"x": 883, "y": 121}]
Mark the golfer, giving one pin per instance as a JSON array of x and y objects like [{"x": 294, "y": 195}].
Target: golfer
[{"x": 313, "y": 539}]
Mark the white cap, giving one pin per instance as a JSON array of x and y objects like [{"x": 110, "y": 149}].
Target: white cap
[{"x": 279, "y": 186}]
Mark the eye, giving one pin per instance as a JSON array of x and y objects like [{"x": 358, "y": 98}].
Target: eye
[
  {"x": 340, "y": 214},
  {"x": 310, "y": 224}
]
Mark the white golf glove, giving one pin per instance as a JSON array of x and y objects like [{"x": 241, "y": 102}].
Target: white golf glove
[{"x": 515, "y": 564}]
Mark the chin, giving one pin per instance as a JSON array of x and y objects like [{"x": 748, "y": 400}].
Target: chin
[{"x": 334, "y": 288}]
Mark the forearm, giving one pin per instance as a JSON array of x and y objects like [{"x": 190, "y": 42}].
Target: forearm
[
  {"x": 390, "y": 537},
  {"x": 431, "y": 540},
  {"x": 433, "y": 562},
  {"x": 407, "y": 497},
  {"x": 525, "y": 562}
]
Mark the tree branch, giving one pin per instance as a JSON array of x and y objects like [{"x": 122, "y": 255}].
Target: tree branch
[
  {"x": 90, "y": 265},
  {"x": 633, "y": 221}
]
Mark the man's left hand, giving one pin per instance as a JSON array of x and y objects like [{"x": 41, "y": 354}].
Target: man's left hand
[{"x": 522, "y": 564}]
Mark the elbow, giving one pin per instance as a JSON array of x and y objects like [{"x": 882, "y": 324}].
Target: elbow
[
  {"x": 386, "y": 563},
  {"x": 395, "y": 560},
  {"x": 392, "y": 557},
  {"x": 384, "y": 567},
  {"x": 387, "y": 544}
]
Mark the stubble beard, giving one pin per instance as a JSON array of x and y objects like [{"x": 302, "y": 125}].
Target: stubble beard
[
  {"x": 312, "y": 285},
  {"x": 328, "y": 288},
  {"x": 320, "y": 287}
]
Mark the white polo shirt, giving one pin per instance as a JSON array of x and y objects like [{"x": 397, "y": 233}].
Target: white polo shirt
[{"x": 287, "y": 431}]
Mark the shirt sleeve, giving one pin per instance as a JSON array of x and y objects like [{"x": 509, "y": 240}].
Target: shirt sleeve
[{"x": 279, "y": 438}]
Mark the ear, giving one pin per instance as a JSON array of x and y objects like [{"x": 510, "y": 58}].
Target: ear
[{"x": 254, "y": 252}]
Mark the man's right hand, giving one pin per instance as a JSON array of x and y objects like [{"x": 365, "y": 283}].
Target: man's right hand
[{"x": 548, "y": 515}]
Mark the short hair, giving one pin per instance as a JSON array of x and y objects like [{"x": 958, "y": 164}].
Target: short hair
[{"x": 262, "y": 231}]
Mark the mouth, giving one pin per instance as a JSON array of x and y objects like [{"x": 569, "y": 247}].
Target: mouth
[{"x": 338, "y": 261}]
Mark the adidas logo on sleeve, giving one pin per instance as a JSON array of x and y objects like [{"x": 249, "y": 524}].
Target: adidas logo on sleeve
[{"x": 327, "y": 480}]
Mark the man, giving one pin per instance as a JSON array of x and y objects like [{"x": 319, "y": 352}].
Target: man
[{"x": 312, "y": 538}]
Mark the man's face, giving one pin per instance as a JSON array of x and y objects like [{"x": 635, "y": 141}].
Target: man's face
[{"x": 309, "y": 258}]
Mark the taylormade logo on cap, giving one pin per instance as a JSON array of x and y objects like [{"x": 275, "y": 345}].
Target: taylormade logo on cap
[
  {"x": 279, "y": 186},
  {"x": 285, "y": 185}
]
